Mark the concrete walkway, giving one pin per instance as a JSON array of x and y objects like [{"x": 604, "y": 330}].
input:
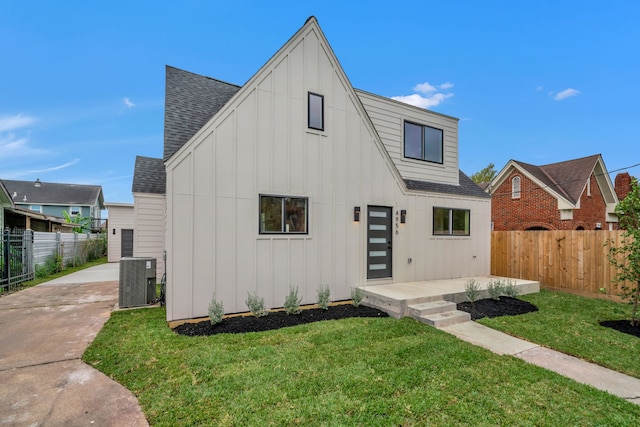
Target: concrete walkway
[
  {"x": 594, "y": 375},
  {"x": 44, "y": 331}
]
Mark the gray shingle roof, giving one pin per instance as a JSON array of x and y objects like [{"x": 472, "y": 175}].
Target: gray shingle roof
[
  {"x": 190, "y": 101},
  {"x": 567, "y": 178},
  {"x": 466, "y": 188},
  {"x": 51, "y": 193},
  {"x": 149, "y": 176}
]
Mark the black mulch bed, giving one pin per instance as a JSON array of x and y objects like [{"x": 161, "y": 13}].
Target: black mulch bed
[
  {"x": 489, "y": 307},
  {"x": 624, "y": 326},
  {"x": 276, "y": 320}
]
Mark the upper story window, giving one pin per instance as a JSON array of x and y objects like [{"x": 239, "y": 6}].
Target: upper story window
[
  {"x": 515, "y": 187},
  {"x": 451, "y": 222},
  {"x": 74, "y": 210},
  {"x": 36, "y": 208},
  {"x": 281, "y": 214},
  {"x": 422, "y": 142},
  {"x": 316, "y": 111}
]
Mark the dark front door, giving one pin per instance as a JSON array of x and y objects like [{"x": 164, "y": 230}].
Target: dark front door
[
  {"x": 126, "y": 247},
  {"x": 379, "y": 238}
]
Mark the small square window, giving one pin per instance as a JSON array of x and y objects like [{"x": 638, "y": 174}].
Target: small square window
[
  {"x": 451, "y": 222},
  {"x": 281, "y": 214},
  {"x": 316, "y": 111},
  {"x": 74, "y": 210},
  {"x": 422, "y": 142}
]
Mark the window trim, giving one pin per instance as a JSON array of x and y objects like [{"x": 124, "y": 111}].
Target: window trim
[
  {"x": 75, "y": 214},
  {"x": 422, "y": 148},
  {"x": 282, "y": 206},
  {"x": 450, "y": 231},
  {"x": 39, "y": 210},
  {"x": 516, "y": 181},
  {"x": 309, "y": 97}
]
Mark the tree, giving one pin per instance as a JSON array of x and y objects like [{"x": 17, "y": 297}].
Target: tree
[
  {"x": 626, "y": 256},
  {"x": 84, "y": 223},
  {"x": 485, "y": 175}
]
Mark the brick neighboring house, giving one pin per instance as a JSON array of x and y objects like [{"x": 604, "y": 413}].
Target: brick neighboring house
[{"x": 571, "y": 195}]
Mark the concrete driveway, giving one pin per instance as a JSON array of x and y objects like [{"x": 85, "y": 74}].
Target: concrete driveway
[{"x": 44, "y": 331}]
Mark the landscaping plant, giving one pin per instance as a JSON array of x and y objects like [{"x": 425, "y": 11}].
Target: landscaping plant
[
  {"x": 472, "y": 290},
  {"x": 292, "y": 302},
  {"x": 626, "y": 255},
  {"x": 256, "y": 305},
  {"x": 216, "y": 310},
  {"x": 510, "y": 289},
  {"x": 495, "y": 288},
  {"x": 357, "y": 293},
  {"x": 323, "y": 297}
]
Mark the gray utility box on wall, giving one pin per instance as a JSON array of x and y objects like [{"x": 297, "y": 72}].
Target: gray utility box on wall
[{"x": 137, "y": 282}]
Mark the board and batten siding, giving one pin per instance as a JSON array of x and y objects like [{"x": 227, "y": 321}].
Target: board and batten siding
[
  {"x": 120, "y": 217},
  {"x": 388, "y": 117},
  {"x": 259, "y": 143},
  {"x": 149, "y": 228}
]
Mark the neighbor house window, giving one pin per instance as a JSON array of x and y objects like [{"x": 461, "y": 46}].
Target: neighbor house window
[
  {"x": 515, "y": 187},
  {"x": 316, "y": 111},
  {"x": 451, "y": 222},
  {"x": 281, "y": 214},
  {"x": 36, "y": 208},
  {"x": 422, "y": 142},
  {"x": 74, "y": 210}
]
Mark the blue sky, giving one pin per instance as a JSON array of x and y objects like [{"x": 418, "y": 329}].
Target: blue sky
[{"x": 82, "y": 83}]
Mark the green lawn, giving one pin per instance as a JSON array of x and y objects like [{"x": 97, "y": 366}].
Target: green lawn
[
  {"x": 373, "y": 372},
  {"x": 570, "y": 324}
]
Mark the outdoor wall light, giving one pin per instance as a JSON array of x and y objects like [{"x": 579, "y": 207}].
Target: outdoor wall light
[
  {"x": 403, "y": 216},
  {"x": 356, "y": 214}
]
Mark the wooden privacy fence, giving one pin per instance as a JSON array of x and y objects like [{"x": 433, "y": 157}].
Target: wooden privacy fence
[{"x": 572, "y": 260}]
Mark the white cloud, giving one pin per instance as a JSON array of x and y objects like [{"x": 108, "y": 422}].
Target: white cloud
[
  {"x": 539, "y": 88},
  {"x": 55, "y": 168},
  {"x": 567, "y": 93},
  {"x": 128, "y": 103},
  {"x": 423, "y": 101},
  {"x": 427, "y": 95},
  {"x": 424, "y": 88},
  {"x": 18, "y": 121}
]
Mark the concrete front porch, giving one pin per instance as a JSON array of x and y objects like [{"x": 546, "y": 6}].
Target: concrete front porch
[{"x": 430, "y": 297}]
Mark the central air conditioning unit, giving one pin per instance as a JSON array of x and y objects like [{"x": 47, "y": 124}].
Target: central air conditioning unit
[{"x": 137, "y": 282}]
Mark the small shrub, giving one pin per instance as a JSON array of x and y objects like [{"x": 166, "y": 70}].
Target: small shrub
[
  {"x": 472, "y": 290},
  {"x": 323, "y": 297},
  {"x": 510, "y": 289},
  {"x": 52, "y": 265},
  {"x": 216, "y": 310},
  {"x": 495, "y": 288},
  {"x": 256, "y": 305},
  {"x": 357, "y": 294},
  {"x": 292, "y": 302}
]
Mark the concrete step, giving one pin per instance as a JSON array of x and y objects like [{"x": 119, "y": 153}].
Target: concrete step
[
  {"x": 447, "y": 318},
  {"x": 432, "y": 307}
]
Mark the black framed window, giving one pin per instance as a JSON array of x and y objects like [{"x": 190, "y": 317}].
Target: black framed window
[
  {"x": 282, "y": 214},
  {"x": 316, "y": 111},
  {"x": 451, "y": 222},
  {"x": 423, "y": 142}
]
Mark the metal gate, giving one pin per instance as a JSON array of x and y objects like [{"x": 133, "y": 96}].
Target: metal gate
[{"x": 16, "y": 258}]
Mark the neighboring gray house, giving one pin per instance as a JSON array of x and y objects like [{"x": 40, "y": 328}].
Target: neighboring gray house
[
  {"x": 30, "y": 198},
  {"x": 296, "y": 179}
]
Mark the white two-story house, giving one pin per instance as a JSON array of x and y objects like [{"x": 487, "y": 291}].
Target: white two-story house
[{"x": 296, "y": 179}]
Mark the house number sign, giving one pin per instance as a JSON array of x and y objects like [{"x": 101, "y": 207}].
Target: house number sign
[{"x": 397, "y": 222}]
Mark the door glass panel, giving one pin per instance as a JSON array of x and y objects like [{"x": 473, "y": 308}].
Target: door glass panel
[
  {"x": 377, "y": 240},
  {"x": 378, "y": 214},
  {"x": 377, "y": 253},
  {"x": 377, "y": 266},
  {"x": 377, "y": 227}
]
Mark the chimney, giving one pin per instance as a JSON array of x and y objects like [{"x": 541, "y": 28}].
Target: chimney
[
  {"x": 623, "y": 185},
  {"x": 37, "y": 183}
]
